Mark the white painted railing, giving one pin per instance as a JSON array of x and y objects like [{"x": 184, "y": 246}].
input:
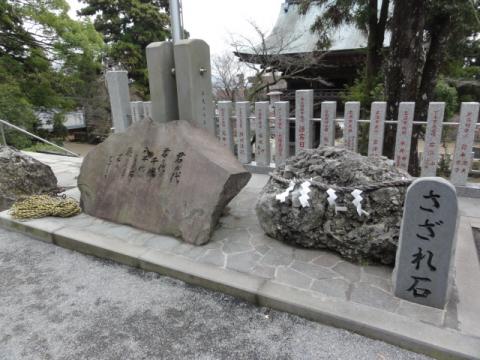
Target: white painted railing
[{"x": 269, "y": 151}]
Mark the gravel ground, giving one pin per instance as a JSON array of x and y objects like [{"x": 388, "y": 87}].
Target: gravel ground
[{"x": 58, "y": 304}]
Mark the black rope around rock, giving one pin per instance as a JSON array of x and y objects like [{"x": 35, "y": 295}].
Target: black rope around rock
[{"x": 344, "y": 189}]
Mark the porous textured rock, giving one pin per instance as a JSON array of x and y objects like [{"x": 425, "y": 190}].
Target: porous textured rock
[
  {"x": 368, "y": 238},
  {"x": 167, "y": 178},
  {"x": 22, "y": 175}
]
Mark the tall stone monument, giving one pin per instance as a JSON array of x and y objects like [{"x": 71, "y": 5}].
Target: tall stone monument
[{"x": 425, "y": 256}]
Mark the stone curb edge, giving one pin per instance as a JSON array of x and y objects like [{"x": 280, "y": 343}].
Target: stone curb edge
[{"x": 391, "y": 328}]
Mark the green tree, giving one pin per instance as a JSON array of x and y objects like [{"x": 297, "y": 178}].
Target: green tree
[
  {"x": 423, "y": 31},
  {"x": 128, "y": 27},
  {"x": 425, "y": 35},
  {"x": 44, "y": 57}
]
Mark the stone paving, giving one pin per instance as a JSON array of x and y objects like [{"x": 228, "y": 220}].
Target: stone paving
[
  {"x": 66, "y": 168},
  {"x": 239, "y": 244}
]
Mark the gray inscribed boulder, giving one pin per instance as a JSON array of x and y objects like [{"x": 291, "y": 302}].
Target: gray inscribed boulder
[
  {"x": 22, "y": 175},
  {"x": 361, "y": 239},
  {"x": 166, "y": 178}
]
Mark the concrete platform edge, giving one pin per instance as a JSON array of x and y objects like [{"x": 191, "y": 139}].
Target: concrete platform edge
[{"x": 391, "y": 328}]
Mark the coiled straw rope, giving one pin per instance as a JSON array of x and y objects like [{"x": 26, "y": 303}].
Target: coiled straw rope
[{"x": 39, "y": 206}]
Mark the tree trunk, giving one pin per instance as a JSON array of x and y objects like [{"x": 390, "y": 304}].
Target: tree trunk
[
  {"x": 406, "y": 61},
  {"x": 376, "y": 36},
  {"x": 435, "y": 55}
]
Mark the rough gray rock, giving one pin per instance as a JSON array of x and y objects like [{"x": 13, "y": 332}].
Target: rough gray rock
[
  {"x": 169, "y": 178},
  {"x": 22, "y": 175},
  {"x": 371, "y": 238}
]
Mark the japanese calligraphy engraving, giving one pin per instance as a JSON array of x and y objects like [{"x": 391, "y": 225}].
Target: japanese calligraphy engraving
[
  {"x": 427, "y": 241},
  {"x": 145, "y": 164}
]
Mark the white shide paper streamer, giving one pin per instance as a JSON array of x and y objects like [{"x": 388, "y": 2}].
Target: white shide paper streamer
[
  {"x": 283, "y": 196},
  {"x": 332, "y": 197},
  {"x": 358, "y": 202},
  {"x": 304, "y": 191}
]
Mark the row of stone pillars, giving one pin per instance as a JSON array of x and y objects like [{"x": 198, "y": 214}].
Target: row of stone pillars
[{"x": 180, "y": 85}]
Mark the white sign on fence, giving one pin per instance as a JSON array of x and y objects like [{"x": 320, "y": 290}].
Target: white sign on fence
[
  {"x": 225, "y": 124},
  {"x": 377, "y": 126},
  {"x": 433, "y": 138},
  {"x": 303, "y": 122},
  {"x": 242, "y": 110},
  {"x": 463, "y": 157},
  {"x": 329, "y": 113},
  {"x": 262, "y": 133},
  {"x": 406, "y": 112},
  {"x": 350, "y": 130},
  {"x": 282, "y": 132}
]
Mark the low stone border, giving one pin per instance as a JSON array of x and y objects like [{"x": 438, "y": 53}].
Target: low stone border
[{"x": 378, "y": 324}]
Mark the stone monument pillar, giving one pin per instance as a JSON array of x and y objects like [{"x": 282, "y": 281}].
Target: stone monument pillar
[
  {"x": 117, "y": 84},
  {"x": 423, "y": 267},
  {"x": 162, "y": 82},
  {"x": 194, "y": 83}
]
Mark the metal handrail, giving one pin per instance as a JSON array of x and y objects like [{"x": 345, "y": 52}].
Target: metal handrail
[{"x": 3, "y": 122}]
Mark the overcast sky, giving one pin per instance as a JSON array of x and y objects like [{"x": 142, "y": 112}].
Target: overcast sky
[{"x": 215, "y": 21}]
